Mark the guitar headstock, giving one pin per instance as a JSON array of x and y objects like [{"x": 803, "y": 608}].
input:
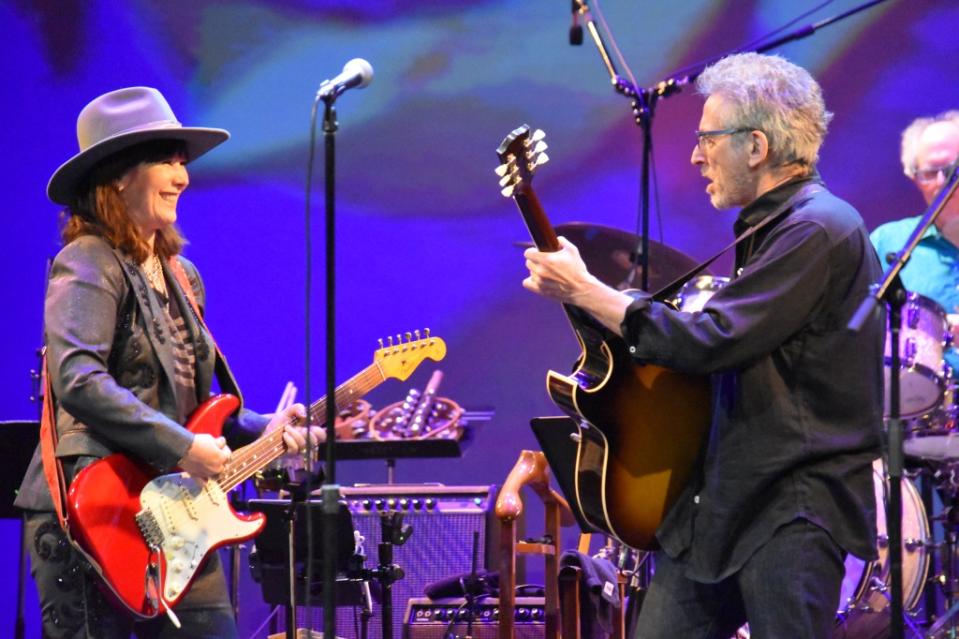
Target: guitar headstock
[
  {"x": 520, "y": 154},
  {"x": 400, "y": 358}
]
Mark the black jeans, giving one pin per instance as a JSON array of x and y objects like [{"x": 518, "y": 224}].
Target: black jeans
[
  {"x": 788, "y": 590},
  {"x": 73, "y": 605}
]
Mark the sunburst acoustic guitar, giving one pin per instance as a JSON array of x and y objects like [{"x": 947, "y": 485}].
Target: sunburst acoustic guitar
[{"x": 641, "y": 426}]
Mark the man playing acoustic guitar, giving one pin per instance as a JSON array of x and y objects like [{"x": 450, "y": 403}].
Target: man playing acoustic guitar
[{"x": 785, "y": 489}]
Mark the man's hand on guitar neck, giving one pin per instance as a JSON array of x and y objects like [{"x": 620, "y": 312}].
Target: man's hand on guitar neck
[{"x": 562, "y": 275}]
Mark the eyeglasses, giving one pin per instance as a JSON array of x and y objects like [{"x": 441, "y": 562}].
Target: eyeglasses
[
  {"x": 932, "y": 174},
  {"x": 703, "y": 136}
]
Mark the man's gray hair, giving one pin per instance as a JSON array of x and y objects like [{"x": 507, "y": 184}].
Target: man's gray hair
[
  {"x": 774, "y": 96},
  {"x": 911, "y": 135}
]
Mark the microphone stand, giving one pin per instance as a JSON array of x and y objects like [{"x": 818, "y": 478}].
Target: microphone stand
[
  {"x": 643, "y": 114},
  {"x": 330, "y": 492},
  {"x": 889, "y": 290}
]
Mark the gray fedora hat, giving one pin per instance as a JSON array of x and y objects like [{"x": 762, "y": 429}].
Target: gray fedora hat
[{"x": 118, "y": 120}]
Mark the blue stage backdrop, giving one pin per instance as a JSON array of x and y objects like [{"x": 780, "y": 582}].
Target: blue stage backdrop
[{"x": 424, "y": 238}]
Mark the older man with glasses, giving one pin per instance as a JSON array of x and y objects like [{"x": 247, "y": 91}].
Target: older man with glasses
[
  {"x": 930, "y": 148},
  {"x": 784, "y": 489}
]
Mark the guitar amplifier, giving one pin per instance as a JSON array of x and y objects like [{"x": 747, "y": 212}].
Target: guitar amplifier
[
  {"x": 443, "y": 519},
  {"x": 442, "y": 618}
]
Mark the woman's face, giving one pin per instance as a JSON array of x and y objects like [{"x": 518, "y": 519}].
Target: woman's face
[{"x": 150, "y": 191}]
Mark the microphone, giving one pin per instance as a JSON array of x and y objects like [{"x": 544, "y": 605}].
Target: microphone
[
  {"x": 356, "y": 73},
  {"x": 575, "y": 30}
]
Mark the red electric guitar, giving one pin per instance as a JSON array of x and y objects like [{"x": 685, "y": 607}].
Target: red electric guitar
[{"x": 148, "y": 535}]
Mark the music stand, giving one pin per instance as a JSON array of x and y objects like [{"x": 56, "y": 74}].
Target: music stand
[
  {"x": 18, "y": 440},
  {"x": 269, "y": 565}
]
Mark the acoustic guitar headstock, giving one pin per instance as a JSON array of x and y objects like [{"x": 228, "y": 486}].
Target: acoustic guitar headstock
[{"x": 521, "y": 153}]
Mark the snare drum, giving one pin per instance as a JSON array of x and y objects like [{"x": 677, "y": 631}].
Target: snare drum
[
  {"x": 864, "y": 598},
  {"x": 922, "y": 342},
  {"x": 696, "y": 292}
]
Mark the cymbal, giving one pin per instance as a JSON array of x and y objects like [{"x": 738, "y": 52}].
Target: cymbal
[{"x": 607, "y": 252}]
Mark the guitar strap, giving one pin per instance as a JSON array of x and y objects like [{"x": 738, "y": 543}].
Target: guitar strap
[
  {"x": 220, "y": 369},
  {"x": 52, "y": 466},
  {"x": 798, "y": 198},
  {"x": 181, "y": 277}
]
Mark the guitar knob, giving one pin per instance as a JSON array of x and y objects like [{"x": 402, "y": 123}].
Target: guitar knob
[
  {"x": 430, "y": 504},
  {"x": 176, "y": 542}
]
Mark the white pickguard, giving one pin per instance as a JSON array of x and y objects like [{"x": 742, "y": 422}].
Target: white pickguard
[{"x": 193, "y": 518}]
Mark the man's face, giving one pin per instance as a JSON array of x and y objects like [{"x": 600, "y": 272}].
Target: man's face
[
  {"x": 938, "y": 148},
  {"x": 723, "y": 159}
]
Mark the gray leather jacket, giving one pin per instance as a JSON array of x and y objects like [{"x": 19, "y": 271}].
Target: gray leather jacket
[{"x": 110, "y": 361}]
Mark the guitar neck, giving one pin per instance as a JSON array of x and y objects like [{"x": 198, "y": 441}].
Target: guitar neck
[
  {"x": 540, "y": 228},
  {"x": 544, "y": 236},
  {"x": 249, "y": 460}
]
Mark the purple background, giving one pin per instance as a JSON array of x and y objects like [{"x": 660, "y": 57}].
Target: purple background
[{"x": 424, "y": 238}]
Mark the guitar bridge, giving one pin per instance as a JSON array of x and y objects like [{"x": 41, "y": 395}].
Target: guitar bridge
[{"x": 149, "y": 528}]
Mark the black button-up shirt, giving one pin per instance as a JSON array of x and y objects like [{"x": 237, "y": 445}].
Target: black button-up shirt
[{"x": 797, "y": 398}]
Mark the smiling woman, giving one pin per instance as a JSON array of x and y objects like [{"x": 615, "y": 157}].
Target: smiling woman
[{"x": 129, "y": 358}]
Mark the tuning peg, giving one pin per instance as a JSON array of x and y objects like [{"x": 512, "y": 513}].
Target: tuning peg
[
  {"x": 505, "y": 180},
  {"x": 508, "y": 191},
  {"x": 502, "y": 170},
  {"x": 399, "y": 341},
  {"x": 409, "y": 336},
  {"x": 390, "y": 340},
  {"x": 538, "y": 135},
  {"x": 427, "y": 332},
  {"x": 540, "y": 147},
  {"x": 417, "y": 334},
  {"x": 542, "y": 159},
  {"x": 380, "y": 340}
]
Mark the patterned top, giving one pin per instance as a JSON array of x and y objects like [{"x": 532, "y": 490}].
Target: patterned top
[{"x": 184, "y": 357}]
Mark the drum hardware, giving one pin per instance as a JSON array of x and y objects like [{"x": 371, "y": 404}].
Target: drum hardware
[{"x": 908, "y": 543}]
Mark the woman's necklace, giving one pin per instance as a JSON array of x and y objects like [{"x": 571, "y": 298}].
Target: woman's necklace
[{"x": 154, "y": 272}]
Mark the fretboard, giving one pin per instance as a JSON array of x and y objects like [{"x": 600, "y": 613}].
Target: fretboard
[{"x": 247, "y": 461}]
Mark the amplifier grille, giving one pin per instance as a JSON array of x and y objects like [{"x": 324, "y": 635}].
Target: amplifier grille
[{"x": 444, "y": 519}]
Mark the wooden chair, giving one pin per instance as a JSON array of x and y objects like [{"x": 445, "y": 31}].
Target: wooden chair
[{"x": 530, "y": 470}]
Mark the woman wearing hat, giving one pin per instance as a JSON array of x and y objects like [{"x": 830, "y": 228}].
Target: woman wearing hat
[{"x": 128, "y": 354}]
